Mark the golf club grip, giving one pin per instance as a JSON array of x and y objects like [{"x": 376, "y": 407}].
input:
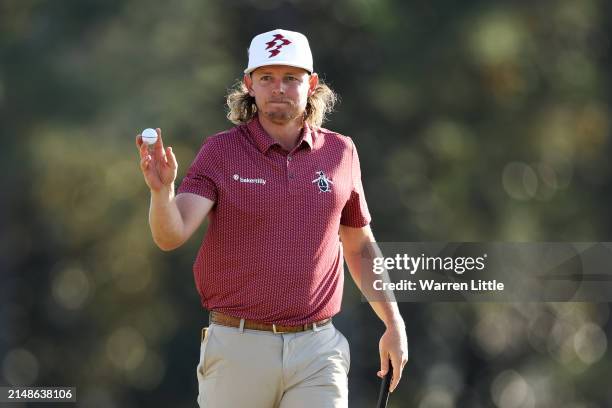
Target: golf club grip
[{"x": 383, "y": 395}]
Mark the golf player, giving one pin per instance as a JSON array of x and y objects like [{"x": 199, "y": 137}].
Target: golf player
[{"x": 286, "y": 207}]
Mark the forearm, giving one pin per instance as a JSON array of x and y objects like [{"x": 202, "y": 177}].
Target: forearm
[
  {"x": 382, "y": 302},
  {"x": 165, "y": 219}
]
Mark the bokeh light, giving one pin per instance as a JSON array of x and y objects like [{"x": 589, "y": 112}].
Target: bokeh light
[{"x": 20, "y": 367}]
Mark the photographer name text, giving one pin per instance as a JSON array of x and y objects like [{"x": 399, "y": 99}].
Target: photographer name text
[{"x": 475, "y": 285}]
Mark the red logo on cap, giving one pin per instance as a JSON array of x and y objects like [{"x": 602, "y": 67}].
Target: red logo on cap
[{"x": 282, "y": 41}]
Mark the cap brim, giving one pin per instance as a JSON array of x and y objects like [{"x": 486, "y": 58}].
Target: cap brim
[{"x": 286, "y": 63}]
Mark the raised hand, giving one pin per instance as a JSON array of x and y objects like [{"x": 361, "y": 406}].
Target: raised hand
[{"x": 158, "y": 165}]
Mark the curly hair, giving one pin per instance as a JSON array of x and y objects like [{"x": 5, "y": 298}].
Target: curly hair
[{"x": 242, "y": 105}]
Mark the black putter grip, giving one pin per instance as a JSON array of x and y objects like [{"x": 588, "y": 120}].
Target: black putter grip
[{"x": 383, "y": 395}]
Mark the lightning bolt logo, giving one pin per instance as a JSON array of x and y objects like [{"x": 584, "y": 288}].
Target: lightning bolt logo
[{"x": 274, "y": 46}]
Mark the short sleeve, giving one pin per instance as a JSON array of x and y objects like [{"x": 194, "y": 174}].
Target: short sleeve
[
  {"x": 355, "y": 212},
  {"x": 202, "y": 174}
]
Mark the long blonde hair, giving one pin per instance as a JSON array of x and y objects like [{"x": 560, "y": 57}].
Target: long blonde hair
[{"x": 242, "y": 105}]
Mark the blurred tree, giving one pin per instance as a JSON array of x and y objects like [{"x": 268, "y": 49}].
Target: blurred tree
[{"x": 475, "y": 121}]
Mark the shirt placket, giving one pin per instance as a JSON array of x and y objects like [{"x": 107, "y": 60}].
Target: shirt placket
[{"x": 291, "y": 166}]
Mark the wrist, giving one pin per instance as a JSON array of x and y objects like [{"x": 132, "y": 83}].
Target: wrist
[
  {"x": 164, "y": 193},
  {"x": 395, "y": 322}
]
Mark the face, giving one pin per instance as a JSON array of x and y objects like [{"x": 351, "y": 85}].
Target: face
[{"x": 281, "y": 92}]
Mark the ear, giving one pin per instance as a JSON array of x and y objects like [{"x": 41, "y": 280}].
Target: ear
[
  {"x": 312, "y": 83},
  {"x": 248, "y": 82}
]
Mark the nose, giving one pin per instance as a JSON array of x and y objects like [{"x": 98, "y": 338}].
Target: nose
[{"x": 279, "y": 87}]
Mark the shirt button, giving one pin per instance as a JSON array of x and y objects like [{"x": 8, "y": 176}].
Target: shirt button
[
  {"x": 289, "y": 158},
  {"x": 291, "y": 175}
]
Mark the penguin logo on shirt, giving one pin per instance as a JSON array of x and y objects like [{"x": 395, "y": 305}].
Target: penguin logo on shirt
[{"x": 323, "y": 182}]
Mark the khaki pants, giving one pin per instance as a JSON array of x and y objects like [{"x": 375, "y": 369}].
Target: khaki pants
[{"x": 259, "y": 369}]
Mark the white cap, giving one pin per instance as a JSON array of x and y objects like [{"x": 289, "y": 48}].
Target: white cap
[{"x": 279, "y": 47}]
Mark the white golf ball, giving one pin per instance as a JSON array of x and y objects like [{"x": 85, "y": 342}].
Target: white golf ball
[{"x": 149, "y": 136}]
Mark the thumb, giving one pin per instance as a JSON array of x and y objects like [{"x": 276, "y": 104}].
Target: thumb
[{"x": 384, "y": 364}]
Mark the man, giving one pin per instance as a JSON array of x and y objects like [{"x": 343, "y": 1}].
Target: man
[{"x": 280, "y": 193}]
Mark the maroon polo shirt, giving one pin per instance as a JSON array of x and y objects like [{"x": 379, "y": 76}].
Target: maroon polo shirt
[{"x": 272, "y": 251}]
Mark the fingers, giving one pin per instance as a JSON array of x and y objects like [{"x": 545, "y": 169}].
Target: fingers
[
  {"x": 143, "y": 148},
  {"x": 171, "y": 158},
  {"x": 397, "y": 374},
  {"x": 404, "y": 362},
  {"x": 384, "y": 363},
  {"x": 398, "y": 362},
  {"x": 145, "y": 162},
  {"x": 158, "y": 147},
  {"x": 161, "y": 156}
]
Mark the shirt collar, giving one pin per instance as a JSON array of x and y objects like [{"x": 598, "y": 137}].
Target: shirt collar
[
  {"x": 264, "y": 141},
  {"x": 307, "y": 135}
]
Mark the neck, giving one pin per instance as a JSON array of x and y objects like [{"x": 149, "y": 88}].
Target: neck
[{"x": 285, "y": 134}]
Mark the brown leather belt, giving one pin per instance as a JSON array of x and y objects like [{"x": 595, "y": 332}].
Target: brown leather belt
[{"x": 231, "y": 321}]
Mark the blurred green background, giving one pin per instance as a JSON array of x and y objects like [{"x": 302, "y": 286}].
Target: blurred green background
[{"x": 475, "y": 121}]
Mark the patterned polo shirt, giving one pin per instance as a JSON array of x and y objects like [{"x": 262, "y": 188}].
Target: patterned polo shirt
[{"x": 272, "y": 251}]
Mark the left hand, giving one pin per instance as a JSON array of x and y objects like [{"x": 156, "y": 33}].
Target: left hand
[{"x": 393, "y": 346}]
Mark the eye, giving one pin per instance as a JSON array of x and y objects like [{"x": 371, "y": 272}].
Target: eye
[{"x": 265, "y": 78}]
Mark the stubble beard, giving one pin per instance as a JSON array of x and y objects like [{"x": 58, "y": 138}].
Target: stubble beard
[{"x": 283, "y": 116}]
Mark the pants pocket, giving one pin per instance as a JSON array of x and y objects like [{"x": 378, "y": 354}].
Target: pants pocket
[{"x": 205, "y": 339}]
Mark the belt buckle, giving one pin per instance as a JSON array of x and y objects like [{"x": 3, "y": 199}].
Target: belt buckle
[{"x": 277, "y": 331}]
